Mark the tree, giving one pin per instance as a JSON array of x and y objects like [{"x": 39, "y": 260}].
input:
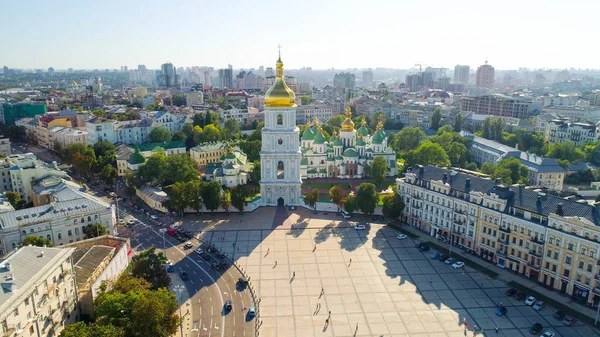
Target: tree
[
  {"x": 378, "y": 169},
  {"x": 458, "y": 122},
  {"x": 367, "y": 198},
  {"x": 255, "y": 173},
  {"x": 225, "y": 201},
  {"x": 178, "y": 100},
  {"x": 311, "y": 198},
  {"x": 231, "y": 129},
  {"x": 392, "y": 206},
  {"x": 108, "y": 174},
  {"x": 69, "y": 151},
  {"x": 152, "y": 170},
  {"x": 210, "y": 133},
  {"x": 337, "y": 196},
  {"x": 159, "y": 134},
  {"x": 148, "y": 265},
  {"x": 198, "y": 119},
  {"x": 178, "y": 168},
  {"x": 177, "y": 197},
  {"x": 211, "y": 117},
  {"x": 430, "y": 154},
  {"x": 80, "y": 329},
  {"x": 36, "y": 241},
  {"x": 193, "y": 196},
  {"x": 14, "y": 198},
  {"x": 251, "y": 149},
  {"x": 486, "y": 128},
  {"x": 509, "y": 171},
  {"x": 82, "y": 163},
  {"x": 94, "y": 230},
  {"x": 305, "y": 99},
  {"x": 408, "y": 139},
  {"x": 211, "y": 194},
  {"x": 436, "y": 118},
  {"x": 99, "y": 113},
  {"x": 336, "y": 121},
  {"x": 129, "y": 178},
  {"x": 458, "y": 154},
  {"x": 103, "y": 147},
  {"x": 239, "y": 194},
  {"x": 565, "y": 151},
  {"x": 350, "y": 204}
]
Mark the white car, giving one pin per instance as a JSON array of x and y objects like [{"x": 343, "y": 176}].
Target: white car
[
  {"x": 131, "y": 222},
  {"x": 401, "y": 236},
  {"x": 530, "y": 300},
  {"x": 347, "y": 216},
  {"x": 547, "y": 334},
  {"x": 360, "y": 227},
  {"x": 538, "y": 305},
  {"x": 153, "y": 217},
  {"x": 188, "y": 245},
  {"x": 199, "y": 251},
  {"x": 458, "y": 264}
]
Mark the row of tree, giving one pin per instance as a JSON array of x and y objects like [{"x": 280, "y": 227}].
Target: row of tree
[
  {"x": 194, "y": 194},
  {"x": 89, "y": 231},
  {"x": 101, "y": 159}
]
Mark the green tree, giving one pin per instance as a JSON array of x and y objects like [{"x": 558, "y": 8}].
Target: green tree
[
  {"x": 178, "y": 168},
  {"x": 255, "y": 173},
  {"x": 178, "y": 100},
  {"x": 256, "y": 134},
  {"x": 350, "y": 204},
  {"x": 378, "y": 169},
  {"x": 211, "y": 117},
  {"x": 239, "y": 194},
  {"x": 392, "y": 206},
  {"x": 367, "y": 198},
  {"x": 103, "y": 147},
  {"x": 179, "y": 135},
  {"x": 99, "y": 113},
  {"x": 565, "y": 151},
  {"x": 337, "y": 195},
  {"x": 148, "y": 265},
  {"x": 211, "y": 194},
  {"x": 486, "y": 128},
  {"x": 458, "y": 122},
  {"x": 14, "y": 198},
  {"x": 36, "y": 241},
  {"x": 430, "y": 154},
  {"x": 177, "y": 197},
  {"x": 336, "y": 121},
  {"x": 458, "y": 154},
  {"x": 231, "y": 129},
  {"x": 193, "y": 196},
  {"x": 496, "y": 129},
  {"x": 83, "y": 163},
  {"x": 436, "y": 118},
  {"x": 129, "y": 178},
  {"x": 94, "y": 230},
  {"x": 408, "y": 139},
  {"x": 80, "y": 329},
  {"x": 108, "y": 174},
  {"x": 159, "y": 134},
  {"x": 251, "y": 149},
  {"x": 311, "y": 198},
  {"x": 225, "y": 201},
  {"x": 154, "y": 167},
  {"x": 305, "y": 99}
]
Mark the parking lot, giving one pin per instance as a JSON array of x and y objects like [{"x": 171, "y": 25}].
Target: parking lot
[{"x": 373, "y": 284}]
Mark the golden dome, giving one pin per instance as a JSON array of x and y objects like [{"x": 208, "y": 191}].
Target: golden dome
[
  {"x": 348, "y": 124},
  {"x": 280, "y": 95}
]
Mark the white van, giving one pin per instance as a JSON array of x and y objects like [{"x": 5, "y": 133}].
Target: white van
[{"x": 345, "y": 214}]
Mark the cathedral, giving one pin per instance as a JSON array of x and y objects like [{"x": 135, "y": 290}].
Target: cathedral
[{"x": 345, "y": 155}]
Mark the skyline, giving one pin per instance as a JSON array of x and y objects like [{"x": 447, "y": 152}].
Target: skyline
[{"x": 336, "y": 34}]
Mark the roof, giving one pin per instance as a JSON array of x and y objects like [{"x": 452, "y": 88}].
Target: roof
[
  {"x": 350, "y": 152},
  {"x": 175, "y": 144},
  {"x": 377, "y": 138},
  {"x": 124, "y": 151},
  {"x": 28, "y": 267},
  {"x": 86, "y": 261},
  {"x": 517, "y": 195},
  {"x": 319, "y": 138}
]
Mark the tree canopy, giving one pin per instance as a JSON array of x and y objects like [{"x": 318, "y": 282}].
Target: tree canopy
[
  {"x": 36, "y": 241},
  {"x": 408, "y": 139},
  {"x": 367, "y": 198},
  {"x": 378, "y": 169},
  {"x": 94, "y": 230},
  {"x": 311, "y": 198},
  {"x": 159, "y": 134},
  {"x": 148, "y": 265},
  {"x": 337, "y": 195},
  {"x": 392, "y": 205}
]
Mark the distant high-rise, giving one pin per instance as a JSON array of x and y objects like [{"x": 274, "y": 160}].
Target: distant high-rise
[
  {"x": 461, "y": 74},
  {"x": 367, "y": 78},
  {"x": 50, "y": 71},
  {"x": 5, "y": 70},
  {"x": 269, "y": 72},
  {"x": 207, "y": 81},
  {"x": 168, "y": 76},
  {"x": 485, "y": 76},
  {"x": 413, "y": 81},
  {"x": 226, "y": 78},
  {"x": 344, "y": 80}
]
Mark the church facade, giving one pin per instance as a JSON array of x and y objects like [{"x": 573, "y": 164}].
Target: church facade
[
  {"x": 280, "y": 155},
  {"x": 344, "y": 155}
]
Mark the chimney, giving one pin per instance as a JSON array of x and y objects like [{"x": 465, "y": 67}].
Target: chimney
[
  {"x": 559, "y": 209},
  {"x": 539, "y": 200},
  {"x": 467, "y": 183},
  {"x": 445, "y": 177},
  {"x": 421, "y": 169}
]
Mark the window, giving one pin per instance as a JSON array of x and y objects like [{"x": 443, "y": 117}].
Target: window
[
  {"x": 581, "y": 264},
  {"x": 549, "y": 253},
  {"x": 70, "y": 233},
  {"x": 24, "y": 233},
  {"x": 60, "y": 236},
  {"x": 48, "y": 237},
  {"x": 279, "y": 119},
  {"x": 589, "y": 267},
  {"x": 570, "y": 246},
  {"x": 31, "y": 230},
  {"x": 82, "y": 220},
  {"x": 280, "y": 170},
  {"x": 16, "y": 312},
  {"x": 550, "y": 240},
  {"x": 27, "y": 301},
  {"x": 76, "y": 231},
  {"x": 568, "y": 260}
]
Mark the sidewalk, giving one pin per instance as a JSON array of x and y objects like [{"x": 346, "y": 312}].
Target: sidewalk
[{"x": 507, "y": 276}]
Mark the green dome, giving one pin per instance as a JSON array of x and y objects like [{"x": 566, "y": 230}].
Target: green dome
[
  {"x": 136, "y": 158},
  {"x": 230, "y": 156},
  {"x": 330, "y": 159},
  {"x": 319, "y": 138},
  {"x": 350, "y": 152},
  {"x": 360, "y": 142},
  {"x": 363, "y": 131},
  {"x": 315, "y": 129},
  {"x": 377, "y": 138},
  {"x": 308, "y": 134},
  {"x": 338, "y": 143}
]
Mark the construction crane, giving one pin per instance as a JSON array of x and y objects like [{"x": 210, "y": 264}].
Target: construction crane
[{"x": 421, "y": 67}]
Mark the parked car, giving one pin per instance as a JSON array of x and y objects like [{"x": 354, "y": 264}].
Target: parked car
[
  {"x": 568, "y": 321},
  {"x": 443, "y": 257},
  {"x": 450, "y": 260},
  {"x": 547, "y": 334},
  {"x": 347, "y": 216},
  {"x": 375, "y": 218},
  {"x": 559, "y": 315},
  {"x": 130, "y": 222},
  {"x": 153, "y": 217},
  {"x": 510, "y": 292},
  {"x": 520, "y": 296},
  {"x": 401, "y": 236},
  {"x": 188, "y": 245},
  {"x": 501, "y": 311},
  {"x": 205, "y": 256},
  {"x": 199, "y": 251},
  {"x": 435, "y": 255},
  {"x": 360, "y": 227},
  {"x": 458, "y": 264},
  {"x": 538, "y": 305},
  {"x": 184, "y": 276},
  {"x": 170, "y": 268},
  {"x": 536, "y": 328},
  {"x": 419, "y": 243},
  {"x": 530, "y": 300},
  {"x": 424, "y": 248}
]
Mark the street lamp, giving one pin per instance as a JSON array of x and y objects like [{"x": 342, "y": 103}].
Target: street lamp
[
  {"x": 163, "y": 230},
  {"x": 179, "y": 289}
]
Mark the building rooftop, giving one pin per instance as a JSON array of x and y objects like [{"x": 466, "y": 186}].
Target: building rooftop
[{"x": 87, "y": 260}]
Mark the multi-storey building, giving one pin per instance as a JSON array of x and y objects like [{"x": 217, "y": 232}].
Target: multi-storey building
[
  {"x": 19, "y": 173},
  {"x": 5, "y": 146},
  {"x": 240, "y": 115},
  {"x": 305, "y": 113},
  {"x": 367, "y": 78},
  {"x": 563, "y": 130},
  {"x": 211, "y": 152},
  {"x": 194, "y": 98},
  {"x": 576, "y": 113},
  {"x": 485, "y": 76},
  {"x": 39, "y": 294},
  {"x": 461, "y": 74},
  {"x": 61, "y": 137},
  {"x": 498, "y": 105},
  {"x": 543, "y": 237}
]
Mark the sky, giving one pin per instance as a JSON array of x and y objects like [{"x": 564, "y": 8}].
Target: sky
[{"x": 319, "y": 34}]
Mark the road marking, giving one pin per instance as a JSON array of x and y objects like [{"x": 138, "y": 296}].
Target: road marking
[{"x": 193, "y": 271}]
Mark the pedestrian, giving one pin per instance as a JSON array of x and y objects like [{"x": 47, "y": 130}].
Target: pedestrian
[
  {"x": 356, "y": 326},
  {"x": 465, "y": 326},
  {"x": 330, "y": 313},
  {"x": 294, "y": 275},
  {"x": 327, "y": 321},
  {"x": 497, "y": 329}
]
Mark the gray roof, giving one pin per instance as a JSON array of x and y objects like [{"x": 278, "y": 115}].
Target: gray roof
[
  {"x": 28, "y": 268},
  {"x": 517, "y": 195},
  {"x": 87, "y": 260}
]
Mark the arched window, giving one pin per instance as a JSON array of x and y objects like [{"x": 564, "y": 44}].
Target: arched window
[
  {"x": 31, "y": 230},
  {"x": 280, "y": 170},
  {"x": 24, "y": 233},
  {"x": 592, "y": 253},
  {"x": 583, "y": 250},
  {"x": 558, "y": 242},
  {"x": 89, "y": 218},
  {"x": 82, "y": 220},
  {"x": 60, "y": 236},
  {"x": 48, "y": 237},
  {"x": 279, "y": 119}
]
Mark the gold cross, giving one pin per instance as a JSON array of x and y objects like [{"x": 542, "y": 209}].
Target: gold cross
[{"x": 279, "y": 46}]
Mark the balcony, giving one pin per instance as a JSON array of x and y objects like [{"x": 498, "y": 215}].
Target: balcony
[
  {"x": 504, "y": 229},
  {"x": 55, "y": 316},
  {"x": 459, "y": 211},
  {"x": 49, "y": 290},
  {"x": 535, "y": 253},
  {"x": 533, "y": 265},
  {"x": 503, "y": 241},
  {"x": 43, "y": 300},
  {"x": 537, "y": 240},
  {"x": 11, "y": 330},
  {"x": 501, "y": 252}
]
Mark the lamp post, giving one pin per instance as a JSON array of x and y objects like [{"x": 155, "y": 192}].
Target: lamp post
[
  {"x": 163, "y": 230},
  {"x": 179, "y": 289}
]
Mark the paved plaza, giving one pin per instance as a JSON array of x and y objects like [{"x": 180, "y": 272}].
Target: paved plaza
[{"x": 373, "y": 284}]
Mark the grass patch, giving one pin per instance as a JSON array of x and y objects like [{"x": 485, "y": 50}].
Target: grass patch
[
  {"x": 399, "y": 229},
  {"x": 467, "y": 262},
  {"x": 552, "y": 302}
]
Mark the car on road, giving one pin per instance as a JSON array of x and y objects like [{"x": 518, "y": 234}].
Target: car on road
[
  {"x": 228, "y": 305},
  {"x": 435, "y": 255},
  {"x": 510, "y": 292},
  {"x": 535, "y": 328},
  {"x": 170, "y": 268},
  {"x": 520, "y": 296},
  {"x": 547, "y": 334},
  {"x": 530, "y": 300},
  {"x": 252, "y": 311},
  {"x": 450, "y": 260},
  {"x": 347, "y": 216},
  {"x": 112, "y": 194},
  {"x": 153, "y": 217},
  {"x": 424, "y": 248},
  {"x": 242, "y": 280},
  {"x": 199, "y": 251},
  {"x": 458, "y": 264},
  {"x": 443, "y": 257},
  {"x": 188, "y": 245},
  {"x": 401, "y": 236},
  {"x": 559, "y": 315},
  {"x": 538, "y": 305},
  {"x": 184, "y": 276},
  {"x": 360, "y": 227},
  {"x": 501, "y": 311},
  {"x": 569, "y": 321}
]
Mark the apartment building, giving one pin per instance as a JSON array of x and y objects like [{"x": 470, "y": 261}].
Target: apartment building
[
  {"x": 498, "y": 105},
  {"x": 19, "y": 173},
  {"x": 210, "y": 152},
  {"x": 240, "y": 115},
  {"x": 540, "y": 236},
  {"x": 576, "y": 113},
  {"x": 563, "y": 130},
  {"x": 39, "y": 294},
  {"x": 305, "y": 113}
]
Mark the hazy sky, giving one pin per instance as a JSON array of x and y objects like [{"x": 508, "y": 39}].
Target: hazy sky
[{"x": 319, "y": 34}]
